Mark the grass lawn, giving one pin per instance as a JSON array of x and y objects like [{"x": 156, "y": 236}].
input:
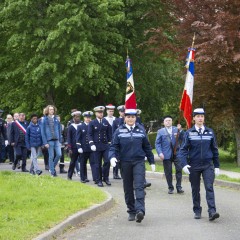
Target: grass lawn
[{"x": 30, "y": 204}]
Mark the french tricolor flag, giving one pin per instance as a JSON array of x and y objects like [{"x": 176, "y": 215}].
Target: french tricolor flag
[
  {"x": 130, "y": 99},
  {"x": 187, "y": 97}
]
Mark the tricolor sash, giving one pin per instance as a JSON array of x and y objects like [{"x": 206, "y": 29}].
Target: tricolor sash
[{"x": 19, "y": 125}]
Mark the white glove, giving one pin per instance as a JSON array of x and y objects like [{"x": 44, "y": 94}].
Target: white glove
[
  {"x": 217, "y": 172},
  {"x": 186, "y": 169},
  {"x": 80, "y": 150},
  {"x": 93, "y": 148},
  {"x": 6, "y": 142},
  {"x": 153, "y": 167},
  {"x": 113, "y": 162}
]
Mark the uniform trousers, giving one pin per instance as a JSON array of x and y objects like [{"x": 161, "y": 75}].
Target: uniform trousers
[
  {"x": 74, "y": 159},
  {"x": 167, "y": 164},
  {"x": 207, "y": 173},
  {"x": 83, "y": 165},
  {"x": 102, "y": 171},
  {"x": 133, "y": 173}
]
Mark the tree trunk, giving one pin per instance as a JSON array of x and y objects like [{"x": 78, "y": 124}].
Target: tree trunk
[
  {"x": 236, "y": 123},
  {"x": 237, "y": 135},
  {"x": 49, "y": 98}
]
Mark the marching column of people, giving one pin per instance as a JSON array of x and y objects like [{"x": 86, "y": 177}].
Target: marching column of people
[{"x": 121, "y": 141}]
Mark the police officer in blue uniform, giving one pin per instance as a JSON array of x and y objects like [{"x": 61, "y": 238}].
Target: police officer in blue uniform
[
  {"x": 166, "y": 145},
  {"x": 199, "y": 157},
  {"x": 99, "y": 136},
  {"x": 84, "y": 148},
  {"x": 71, "y": 139},
  {"x": 130, "y": 145}
]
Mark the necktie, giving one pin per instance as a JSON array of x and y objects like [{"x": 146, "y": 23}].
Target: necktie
[
  {"x": 200, "y": 131},
  {"x": 100, "y": 121},
  {"x": 131, "y": 128}
]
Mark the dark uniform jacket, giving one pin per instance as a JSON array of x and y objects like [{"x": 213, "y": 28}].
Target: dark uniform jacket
[
  {"x": 3, "y": 129},
  {"x": 130, "y": 146},
  {"x": 82, "y": 137},
  {"x": 100, "y": 135},
  {"x": 71, "y": 136},
  {"x": 116, "y": 123},
  {"x": 199, "y": 149}
]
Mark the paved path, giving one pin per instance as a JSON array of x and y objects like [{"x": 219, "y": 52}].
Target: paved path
[{"x": 168, "y": 217}]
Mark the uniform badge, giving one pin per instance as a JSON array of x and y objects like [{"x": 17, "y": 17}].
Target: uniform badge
[
  {"x": 123, "y": 130},
  {"x": 193, "y": 133}
]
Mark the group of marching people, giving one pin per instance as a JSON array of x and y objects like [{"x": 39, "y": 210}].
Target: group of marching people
[
  {"x": 108, "y": 140},
  {"x": 85, "y": 140}
]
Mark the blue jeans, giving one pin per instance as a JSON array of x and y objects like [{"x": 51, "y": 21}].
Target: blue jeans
[{"x": 54, "y": 145}]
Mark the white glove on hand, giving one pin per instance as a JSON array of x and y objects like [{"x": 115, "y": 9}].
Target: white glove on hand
[
  {"x": 113, "y": 162},
  {"x": 153, "y": 167},
  {"x": 217, "y": 172},
  {"x": 6, "y": 142},
  {"x": 93, "y": 148},
  {"x": 186, "y": 169},
  {"x": 80, "y": 150}
]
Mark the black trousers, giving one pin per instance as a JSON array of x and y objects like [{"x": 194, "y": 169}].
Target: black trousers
[
  {"x": 45, "y": 156},
  {"x": 207, "y": 173},
  {"x": 102, "y": 171},
  {"x": 10, "y": 153},
  {"x": 167, "y": 164},
  {"x": 84, "y": 157},
  {"x": 74, "y": 158},
  {"x": 133, "y": 180},
  {"x": 21, "y": 154}
]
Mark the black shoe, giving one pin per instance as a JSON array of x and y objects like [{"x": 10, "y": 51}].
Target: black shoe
[
  {"x": 197, "y": 215},
  {"x": 24, "y": 170},
  {"x": 139, "y": 216},
  {"x": 147, "y": 184},
  {"x": 13, "y": 167},
  {"x": 63, "y": 171},
  {"x": 10, "y": 163},
  {"x": 170, "y": 191},
  {"x": 86, "y": 180},
  {"x": 213, "y": 216},
  {"x": 116, "y": 177},
  {"x": 39, "y": 172},
  {"x": 47, "y": 168},
  {"x": 55, "y": 174},
  {"x": 107, "y": 182},
  {"x": 100, "y": 184},
  {"x": 180, "y": 191},
  {"x": 131, "y": 216},
  {"x": 83, "y": 181},
  {"x": 68, "y": 178},
  {"x": 18, "y": 166}
]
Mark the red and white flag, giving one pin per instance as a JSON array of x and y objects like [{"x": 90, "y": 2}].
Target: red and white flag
[{"x": 187, "y": 97}]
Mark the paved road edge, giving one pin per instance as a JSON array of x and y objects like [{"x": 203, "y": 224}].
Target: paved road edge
[{"x": 77, "y": 218}]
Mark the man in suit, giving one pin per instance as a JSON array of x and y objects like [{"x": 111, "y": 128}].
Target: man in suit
[{"x": 167, "y": 144}]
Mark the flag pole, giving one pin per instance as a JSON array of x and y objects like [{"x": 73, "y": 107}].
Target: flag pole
[{"x": 194, "y": 36}]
